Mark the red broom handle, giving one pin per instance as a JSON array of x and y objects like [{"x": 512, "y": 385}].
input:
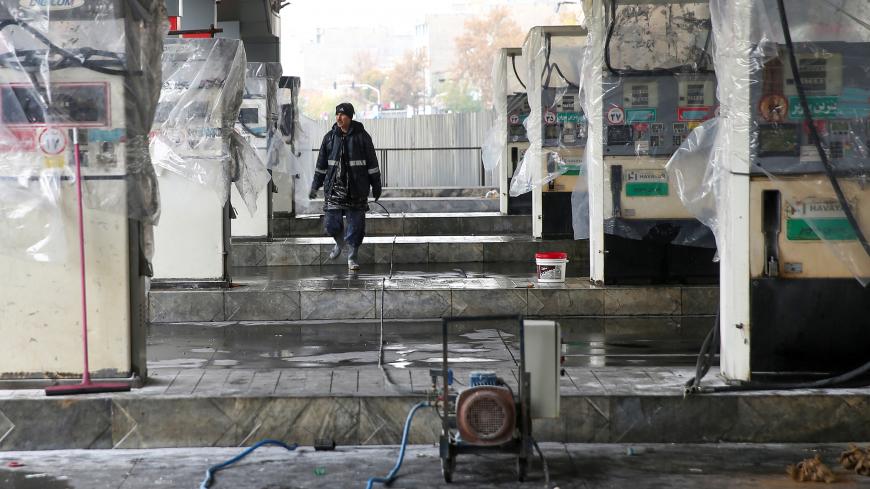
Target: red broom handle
[{"x": 86, "y": 376}]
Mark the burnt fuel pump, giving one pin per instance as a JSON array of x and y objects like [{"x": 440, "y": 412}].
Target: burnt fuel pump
[
  {"x": 285, "y": 183},
  {"x": 509, "y": 72},
  {"x": 203, "y": 83},
  {"x": 647, "y": 118},
  {"x": 75, "y": 91},
  {"x": 785, "y": 189},
  {"x": 553, "y": 164},
  {"x": 809, "y": 207},
  {"x": 796, "y": 285},
  {"x": 648, "y": 111},
  {"x": 257, "y": 123}
]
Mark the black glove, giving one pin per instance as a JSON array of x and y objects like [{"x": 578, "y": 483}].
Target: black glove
[
  {"x": 376, "y": 193},
  {"x": 312, "y": 194}
]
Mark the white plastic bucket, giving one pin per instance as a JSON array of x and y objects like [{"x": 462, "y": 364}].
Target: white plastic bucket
[{"x": 551, "y": 266}]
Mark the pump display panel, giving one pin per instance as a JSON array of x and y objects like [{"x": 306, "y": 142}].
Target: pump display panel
[
  {"x": 652, "y": 116},
  {"x": 564, "y": 124},
  {"x": 517, "y": 110},
  {"x": 82, "y": 104},
  {"x": 836, "y": 81}
]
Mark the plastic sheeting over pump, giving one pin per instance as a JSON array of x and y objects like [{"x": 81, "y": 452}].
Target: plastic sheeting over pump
[
  {"x": 798, "y": 143},
  {"x": 510, "y": 104},
  {"x": 556, "y": 125},
  {"x": 557, "y": 131},
  {"x": 261, "y": 89},
  {"x": 648, "y": 79},
  {"x": 194, "y": 130},
  {"x": 506, "y": 141},
  {"x": 258, "y": 124},
  {"x": 298, "y": 135},
  {"x": 93, "y": 66}
]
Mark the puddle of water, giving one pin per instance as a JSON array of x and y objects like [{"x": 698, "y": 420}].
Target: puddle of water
[
  {"x": 225, "y": 363},
  {"x": 486, "y": 334},
  {"x": 353, "y": 357},
  {"x": 468, "y": 350},
  {"x": 459, "y": 360},
  {"x": 30, "y": 480},
  {"x": 178, "y": 363},
  {"x": 411, "y": 344},
  {"x": 277, "y": 354}
]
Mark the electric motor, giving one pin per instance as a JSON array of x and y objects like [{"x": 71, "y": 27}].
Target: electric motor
[{"x": 486, "y": 415}]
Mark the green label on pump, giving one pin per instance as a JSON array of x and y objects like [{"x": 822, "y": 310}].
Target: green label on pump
[
  {"x": 822, "y": 107},
  {"x": 646, "y": 189},
  {"x": 640, "y": 115},
  {"x": 831, "y": 229},
  {"x": 575, "y": 117},
  {"x": 573, "y": 170}
]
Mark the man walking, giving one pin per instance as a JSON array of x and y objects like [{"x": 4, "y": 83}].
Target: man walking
[{"x": 348, "y": 165}]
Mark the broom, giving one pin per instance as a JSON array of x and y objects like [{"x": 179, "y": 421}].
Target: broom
[{"x": 86, "y": 386}]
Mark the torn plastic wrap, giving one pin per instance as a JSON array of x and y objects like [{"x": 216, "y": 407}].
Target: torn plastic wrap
[
  {"x": 289, "y": 112},
  {"x": 250, "y": 175},
  {"x": 552, "y": 165},
  {"x": 809, "y": 203},
  {"x": 655, "y": 87},
  {"x": 286, "y": 147},
  {"x": 506, "y": 140},
  {"x": 696, "y": 181},
  {"x": 302, "y": 162},
  {"x": 495, "y": 141},
  {"x": 258, "y": 117},
  {"x": 194, "y": 135},
  {"x": 90, "y": 66},
  {"x": 555, "y": 127},
  {"x": 257, "y": 124}
]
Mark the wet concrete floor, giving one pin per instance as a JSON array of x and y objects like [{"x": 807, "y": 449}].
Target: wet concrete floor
[
  {"x": 580, "y": 466},
  {"x": 590, "y": 342}
]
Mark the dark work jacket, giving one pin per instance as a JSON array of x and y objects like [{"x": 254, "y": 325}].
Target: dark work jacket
[{"x": 360, "y": 166}]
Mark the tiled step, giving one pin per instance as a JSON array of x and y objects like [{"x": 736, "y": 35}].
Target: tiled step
[
  {"x": 638, "y": 341},
  {"x": 194, "y": 407},
  {"x": 407, "y": 249},
  {"x": 269, "y": 297},
  {"x": 396, "y": 205},
  {"x": 412, "y": 224}
]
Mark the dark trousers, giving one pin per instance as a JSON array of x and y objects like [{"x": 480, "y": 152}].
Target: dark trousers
[{"x": 356, "y": 225}]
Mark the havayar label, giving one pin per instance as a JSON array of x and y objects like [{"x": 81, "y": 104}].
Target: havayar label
[
  {"x": 646, "y": 183},
  {"x": 816, "y": 208},
  {"x": 818, "y": 219}
]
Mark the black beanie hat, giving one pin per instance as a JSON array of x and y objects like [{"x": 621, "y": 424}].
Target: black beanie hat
[{"x": 344, "y": 108}]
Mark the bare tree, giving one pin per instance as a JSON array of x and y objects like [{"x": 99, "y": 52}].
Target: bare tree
[
  {"x": 364, "y": 70},
  {"x": 406, "y": 82},
  {"x": 477, "y": 46}
]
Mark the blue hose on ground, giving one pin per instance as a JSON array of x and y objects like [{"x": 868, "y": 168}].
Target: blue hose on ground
[
  {"x": 394, "y": 473},
  {"x": 209, "y": 474}
]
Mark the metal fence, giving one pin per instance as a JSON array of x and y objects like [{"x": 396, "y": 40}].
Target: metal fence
[{"x": 441, "y": 150}]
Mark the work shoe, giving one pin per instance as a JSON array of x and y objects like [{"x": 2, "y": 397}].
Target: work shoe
[
  {"x": 351, "y": 259},
  {"x": 336, "y": 250}
]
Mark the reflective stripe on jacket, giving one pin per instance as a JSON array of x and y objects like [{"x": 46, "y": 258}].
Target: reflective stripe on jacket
[{"x": 363, "y": 163}]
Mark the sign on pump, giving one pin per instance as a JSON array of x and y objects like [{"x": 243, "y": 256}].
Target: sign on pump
[{"x": 51, "y": 4}]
